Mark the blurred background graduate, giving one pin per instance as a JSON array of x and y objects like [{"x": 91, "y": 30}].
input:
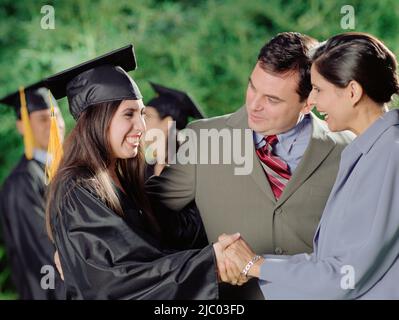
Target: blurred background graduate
[
  {"x": 169, "y": 105},
  {"x": 22, "y": 197},
  {"x": 184, "y": 229}
]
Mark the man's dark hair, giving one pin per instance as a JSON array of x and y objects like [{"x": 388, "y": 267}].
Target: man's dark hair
[{"x": 289, "y": 51}]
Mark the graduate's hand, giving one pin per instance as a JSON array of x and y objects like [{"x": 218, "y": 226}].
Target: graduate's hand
[
  {"x": 226, "y": 271},
  {"x": 233, "y": 267},
  {"x": 58, "y": 264},
  {"x": 240, "y": 253}
]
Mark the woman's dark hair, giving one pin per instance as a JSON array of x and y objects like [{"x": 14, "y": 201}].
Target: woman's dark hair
[
  {"x": 360, "y": 57},
  {"x": 289, "y": 51},
  {"x": 87, "y": 155}
]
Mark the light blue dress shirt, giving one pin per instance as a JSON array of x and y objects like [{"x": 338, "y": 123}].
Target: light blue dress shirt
[
  {"x": 292, "y": 144},
  {"x": 40, "y": 155},
  {"x": 356, "y": 246}
]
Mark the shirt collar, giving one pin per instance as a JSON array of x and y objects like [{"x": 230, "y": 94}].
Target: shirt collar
[
  {"x": 286, "y": 138},
  {"x": 258, "y": 138},
  {"x": 40, "y": 155}
]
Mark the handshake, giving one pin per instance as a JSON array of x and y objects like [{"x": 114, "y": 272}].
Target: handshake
[{"x": 236, "y": 262}]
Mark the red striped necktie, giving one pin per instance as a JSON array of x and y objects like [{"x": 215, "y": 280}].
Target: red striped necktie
[{"x": 277, "y": 171}]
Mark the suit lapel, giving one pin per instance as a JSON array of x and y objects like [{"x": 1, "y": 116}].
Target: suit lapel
[
  {"x": 238, "y": 120},
  {"x": 318, "y": 149}
]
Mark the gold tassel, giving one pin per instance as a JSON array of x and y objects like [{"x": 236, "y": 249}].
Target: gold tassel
[
  {"x": 54, "y": 151},
  {"x": 29, "y": 141}
]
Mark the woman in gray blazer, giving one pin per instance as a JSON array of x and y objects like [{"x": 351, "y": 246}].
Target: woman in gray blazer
[{"x": 356, "y": 245}]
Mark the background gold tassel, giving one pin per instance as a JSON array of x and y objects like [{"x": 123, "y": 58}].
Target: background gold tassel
[
  {"x": 29, "y": 141},
  {"x": 54, "y": 151}
]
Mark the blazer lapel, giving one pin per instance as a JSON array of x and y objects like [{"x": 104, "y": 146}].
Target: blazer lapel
[
  {"x": 238, "y": 120},
  {"x": 318, "y": 149}
]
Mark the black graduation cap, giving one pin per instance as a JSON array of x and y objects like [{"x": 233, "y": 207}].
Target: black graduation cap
[
  {"x": 174, "y": 103},
  {"x": 36, "y": 96},
  {"x": 102, "y": 79}
]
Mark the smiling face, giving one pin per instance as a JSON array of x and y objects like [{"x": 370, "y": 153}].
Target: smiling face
[
  {"x": 332, "y": 102},
  {"x": 126, "y": 129},
  {"x": 272, "y": 101}
]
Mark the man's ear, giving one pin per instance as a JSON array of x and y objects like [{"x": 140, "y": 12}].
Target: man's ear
[{"x": 20, "y": 127}]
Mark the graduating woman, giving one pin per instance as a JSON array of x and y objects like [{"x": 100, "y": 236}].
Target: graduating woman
[
  {"x": 98, "y": 214},
  {"x": 356, "y": 246}
]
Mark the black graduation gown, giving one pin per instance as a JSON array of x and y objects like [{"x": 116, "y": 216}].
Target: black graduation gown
[
  {"x": 22, "y": 214},
  {"x": 104, "y": 256}
]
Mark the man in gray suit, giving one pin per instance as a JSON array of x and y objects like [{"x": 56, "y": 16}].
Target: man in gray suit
[{"x": 275, "y": 209}]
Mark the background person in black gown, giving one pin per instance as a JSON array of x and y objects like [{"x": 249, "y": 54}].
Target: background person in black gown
[
  {"x": 184, "y": 230},
  {"x": 22, "y": 198}
]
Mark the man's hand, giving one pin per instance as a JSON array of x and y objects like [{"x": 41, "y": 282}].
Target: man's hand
[{"x": 239, "y": 253}]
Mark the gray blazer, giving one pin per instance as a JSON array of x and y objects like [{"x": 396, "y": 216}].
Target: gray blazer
[
  {"x": 245, "y": 203},
  {"x": 356, "y": 246}
]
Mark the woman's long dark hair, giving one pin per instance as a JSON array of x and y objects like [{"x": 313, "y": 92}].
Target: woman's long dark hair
[
  {"x": 360, "y": 57},
  {"x": 87, "y": 156}
]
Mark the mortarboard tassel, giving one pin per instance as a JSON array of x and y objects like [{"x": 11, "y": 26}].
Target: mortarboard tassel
[
  {"x": 29, "y": 141},
  {"x": 54, "y": 151}
]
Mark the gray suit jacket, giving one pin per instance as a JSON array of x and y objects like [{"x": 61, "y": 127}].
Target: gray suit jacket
[
  {"x": 232, "y": 203},
  {"x": 356, "y": 246}
]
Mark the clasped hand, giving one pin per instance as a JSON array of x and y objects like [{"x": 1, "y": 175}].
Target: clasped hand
[{"x": 232, "y": 255}]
